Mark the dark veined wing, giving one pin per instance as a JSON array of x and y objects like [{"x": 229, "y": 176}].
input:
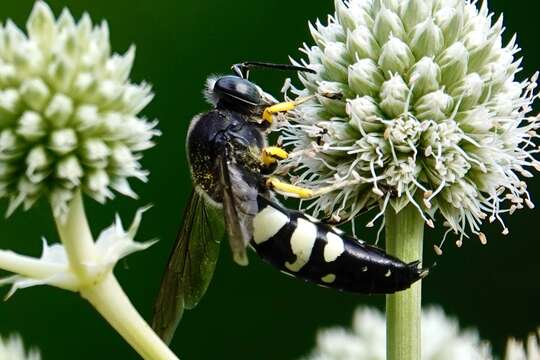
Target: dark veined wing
[
  {"x": 190, "y": 267},
  {"x": 239, "y": 205}
]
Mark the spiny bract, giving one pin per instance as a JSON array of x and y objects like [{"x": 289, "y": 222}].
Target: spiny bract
[
  {"x": 431, "y": 113},
  {"x": 68, "y": 112}
]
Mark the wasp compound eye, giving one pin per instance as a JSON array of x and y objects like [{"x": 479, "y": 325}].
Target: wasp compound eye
[{"x": 236, "y": 92}]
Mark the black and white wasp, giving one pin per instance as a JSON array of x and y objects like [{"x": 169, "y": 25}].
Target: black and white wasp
[{"x": 230, "y": 166}]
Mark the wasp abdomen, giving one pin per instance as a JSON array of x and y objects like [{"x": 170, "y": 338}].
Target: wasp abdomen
[{"x": 305, "y": 248}]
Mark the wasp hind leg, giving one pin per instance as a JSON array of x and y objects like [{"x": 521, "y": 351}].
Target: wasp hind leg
[
  {"x": 287, "y": 189},
  {"x": 296, "y": 191}
]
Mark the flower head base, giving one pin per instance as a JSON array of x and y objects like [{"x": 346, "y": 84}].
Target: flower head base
[
  {"x": 12, "y": 348},
  {"x": 441, "y": 339},
  {"x": 431, "y": 114},
  {"x": 68, "y": 112},
  {"x": 53, "y": 267}
]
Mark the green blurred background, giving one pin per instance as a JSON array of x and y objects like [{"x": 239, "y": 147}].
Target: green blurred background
[{"x": 254, "y": 312}]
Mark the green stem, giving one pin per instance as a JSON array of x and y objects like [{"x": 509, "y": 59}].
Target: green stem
[
  {"x": 77, "y": 238},
  {"x": 103, "y": 290},
  {"x": 404, "y": 237},
  {"x": 111, "y": 302}
]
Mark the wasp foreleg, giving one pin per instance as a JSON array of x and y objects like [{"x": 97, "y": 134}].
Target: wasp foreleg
[
  {"x": 272, "y": 154},
  {"x": 269, "y": 112}
]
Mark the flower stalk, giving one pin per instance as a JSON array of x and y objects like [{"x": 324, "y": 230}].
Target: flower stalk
[
  {"x": 102, "y": 290},
  {"x": 112, "y": 303},
  {"x": 404, "y": 238},
  {"x": 76, "y": 237}
]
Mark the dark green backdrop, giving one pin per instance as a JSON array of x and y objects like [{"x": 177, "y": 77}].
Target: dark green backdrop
[{"x": 254, "y": 312}]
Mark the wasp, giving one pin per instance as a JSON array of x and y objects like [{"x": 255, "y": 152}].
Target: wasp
[{"x": 231, "y": 167}]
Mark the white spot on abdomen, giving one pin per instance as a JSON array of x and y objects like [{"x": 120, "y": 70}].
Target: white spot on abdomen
[
  {"x": 330, "y": 278},
  {"x": 267, "y": 223},
  {"x": 337, "y": 230},
  {"x": 333, "y": 248},
  {"x": 302, "y": 242}
]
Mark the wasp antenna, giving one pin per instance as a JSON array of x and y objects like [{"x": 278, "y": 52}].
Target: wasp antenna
[{"x": 242, "y": 69}]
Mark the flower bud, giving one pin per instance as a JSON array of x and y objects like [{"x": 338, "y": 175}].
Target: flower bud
[
  {"x": 63, "y": 141},
  {"x": 396, "y": 57},
  {"x": 335, "y": 60},
  {"x": 425, "y": 77},
  {"x": 450, "y": 21},
  {"x": 60, "y": 72},
  {"x": 365, "y": 114},
  {"x": 41, "y": 27},
  {"x": 436, "y": 106},
  {"x": 86, "y": 118},
  {"x": 85, "y": 85},
  {"x": 59, "y": 110},
  {"x": 70, "y": 169},
  {"x": 363, "y": 44},
  {"x": 414, "y": 12},
  {"x": 31, "y": 126},
  {"x": 387, "y": 24},
  {"x": 322, "y": 34},
  {"x": 95, "y": 153},
  {"x": 394, "y": 94},
  {"x": 454, "y": 64},
  {"x": 98, "y": 182},
  {"x": 9, "y": 146},
  {"x": 469, "y": 91},
  {"x": 475, "y": 121},
  {"x": 335, "y": 106},
  {"x": 427, "y": 39},
  {"x": 35, "y": 94},
  {"x": 37, "y": 162},
  {"x": 365, "y": 78},
  {"x": 10, "y": 103}
]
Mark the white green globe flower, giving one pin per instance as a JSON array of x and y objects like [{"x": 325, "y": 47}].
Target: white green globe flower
[
  {"x": 431, "y": 114},
  {"x": 68, "y": 112},
  {"x": 12, "y": 348},
  {"x": 70, "y": 125},
  {"x": 442, "y": 339}
]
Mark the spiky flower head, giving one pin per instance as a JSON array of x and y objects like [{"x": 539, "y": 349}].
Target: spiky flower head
[
  {"x": 428, "y": 112},
  {"x": 68, "y": 112},
  {"x": 442, "y": 339},
  {"x": 12, "y": 348}
]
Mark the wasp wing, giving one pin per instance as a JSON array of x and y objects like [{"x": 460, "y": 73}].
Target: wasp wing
[
  {"x": 240, "y": 190},
  {"x": 191, "y": 265}
]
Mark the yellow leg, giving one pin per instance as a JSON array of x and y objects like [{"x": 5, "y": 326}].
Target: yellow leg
[
  {"x": 270, "y": 111},
  {"x": 288, "y": 189},
  {"x": 271, "y": 154}
]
